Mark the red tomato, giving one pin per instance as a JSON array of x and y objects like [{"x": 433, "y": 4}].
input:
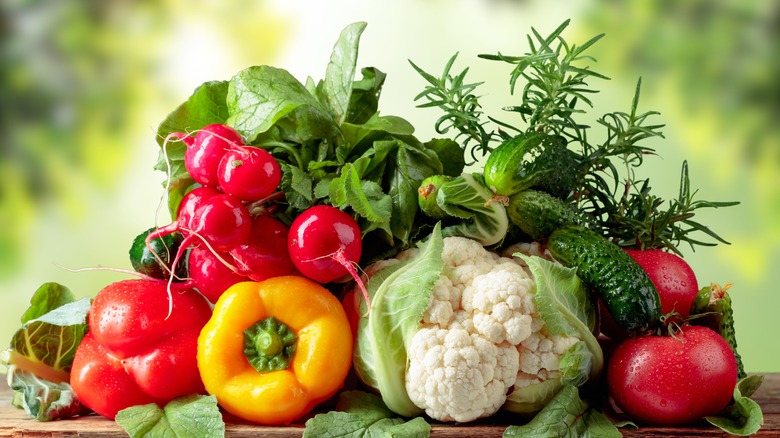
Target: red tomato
[
  {"x": 670, "y": 381},
  {"x": 672, "y": 276}
]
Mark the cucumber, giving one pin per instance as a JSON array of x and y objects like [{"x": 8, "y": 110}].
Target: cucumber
[
  {"x": 426, "y": 196},
  {"x": 143, "y": 260},
  {"x": 532, "y": 160},
  {"x": 538, "y": 214},
  {"x": 624, "y": 287},
  {"x": 713, "y": 304}
]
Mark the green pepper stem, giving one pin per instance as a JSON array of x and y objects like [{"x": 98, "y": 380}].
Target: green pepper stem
[{"x": 269, "y": 345}]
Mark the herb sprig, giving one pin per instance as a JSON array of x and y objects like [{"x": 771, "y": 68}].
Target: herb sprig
[{"x": 555, "y": 92}]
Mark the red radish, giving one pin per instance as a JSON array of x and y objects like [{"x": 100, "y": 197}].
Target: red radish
[
  {"x": 202, "y": 157},
  {"x": 325, "y": 243},
  {"x": 210, "y": 275},
  {"x": 190, "y": 202},
  {"x": 249, "y": 173},
  {"x": 222, "y": 221},
  {"x": 319, "y": 237},
  {"x": 264, "y": 254}
]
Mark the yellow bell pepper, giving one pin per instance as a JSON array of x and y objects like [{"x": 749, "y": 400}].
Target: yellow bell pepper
[{"x": 275, "y": 349}]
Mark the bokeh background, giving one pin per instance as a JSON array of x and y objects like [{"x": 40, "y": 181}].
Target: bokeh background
[{"x": 83, "y": 86}]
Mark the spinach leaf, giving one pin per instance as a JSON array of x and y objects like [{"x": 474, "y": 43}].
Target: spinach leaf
[
  {"x": 364, "y": 101},
  {"x": 335, "y": 91},
  {"x": 260, "y": 96},
  {"x": 204, "y": 107}
]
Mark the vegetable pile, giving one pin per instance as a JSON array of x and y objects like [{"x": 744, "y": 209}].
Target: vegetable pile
[{"x": 323, "y": 265}]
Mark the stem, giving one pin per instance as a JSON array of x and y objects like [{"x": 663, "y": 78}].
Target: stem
[
  {"x": 289, "y": 149},
  {"x": 269, "y": 345}
]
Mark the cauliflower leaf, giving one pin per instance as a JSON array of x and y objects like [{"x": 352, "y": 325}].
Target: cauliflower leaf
[{"x": 399, "y": 296}]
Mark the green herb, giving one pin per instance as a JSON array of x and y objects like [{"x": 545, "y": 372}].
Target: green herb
[
  {"x": 362, "y": 414},
  {"x": 555, "y": 91},
  {"x": 189, "y": 416},
  {"x": 41, "y": 354}
]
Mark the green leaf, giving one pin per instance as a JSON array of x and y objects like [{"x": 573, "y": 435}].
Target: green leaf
[
  {"x": 48, "y": 297},
  {"x": 261, "y": 96},
  {"x": 51, "y": 340},
  {"x": 190, "y": 416},
  {"x": 450, "y": 154},
  {"x": 44, "y": 400},
  {"x": 467, "y": 197},
  {"x": 410, "y": 166},
  {"x": 743, "y": 417},
  {"x": 204, "y": 107},
  {"x": 360, "y": 414},
  {"x": 336, "y": 89},
  {"x": 566, "y": 415},
  {"x": 297, "y": 186},
  {"x": 399, "y": 296},
  {"x": 41, "y": 353},
  {"x": 366, "y": 197},
  {"x": 364, "y": 102}
]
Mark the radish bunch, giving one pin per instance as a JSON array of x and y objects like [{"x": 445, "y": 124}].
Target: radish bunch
[{"x": 226, "y": 244}]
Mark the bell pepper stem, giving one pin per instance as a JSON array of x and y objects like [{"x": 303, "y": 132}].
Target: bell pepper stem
[{"x": 269, "y": 345}]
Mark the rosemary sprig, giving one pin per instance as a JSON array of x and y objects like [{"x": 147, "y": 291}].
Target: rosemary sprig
[
  {"x": 555, "y": 91},
  {"x": 554, "y": 84},
  {"x": 461, "y": 107}
]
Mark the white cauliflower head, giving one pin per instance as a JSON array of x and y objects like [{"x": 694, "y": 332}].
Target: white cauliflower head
[{"x": 480, "y": 333}]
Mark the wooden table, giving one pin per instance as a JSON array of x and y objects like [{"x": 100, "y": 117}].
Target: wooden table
[{"x": 15, "y": 423}]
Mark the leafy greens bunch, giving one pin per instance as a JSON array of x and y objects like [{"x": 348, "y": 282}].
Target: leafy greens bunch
[
  {"x": 332, "y": 144},
  {"x": 555, "y": 92}
]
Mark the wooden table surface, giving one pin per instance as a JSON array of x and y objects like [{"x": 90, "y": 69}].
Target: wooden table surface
[{"x": 15, "y": 423}]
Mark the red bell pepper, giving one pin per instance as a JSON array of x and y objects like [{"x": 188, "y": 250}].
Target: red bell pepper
[{"x": 135, "y": 353}]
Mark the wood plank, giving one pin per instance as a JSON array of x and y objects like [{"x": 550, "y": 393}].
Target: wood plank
[{"x": 15, "y": 423}]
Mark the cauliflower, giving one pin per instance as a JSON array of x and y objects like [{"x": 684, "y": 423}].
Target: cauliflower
[
  {"x": 476, "y": 337},
  {"x": 480, "y": 335}
]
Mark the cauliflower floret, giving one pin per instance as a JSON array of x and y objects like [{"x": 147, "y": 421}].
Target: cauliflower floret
[
  {"x": 459, "y": 376},
  {"x": 481, "y": 335}
]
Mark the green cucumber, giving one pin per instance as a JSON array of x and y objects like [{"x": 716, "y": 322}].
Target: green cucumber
[
  {"x": 624, "y": 287},
  {"x": 143, "y": 260},
  {"x": 538, "y": 214},
  {"x": 713, "y": 303},
  {"x": 426, "y": 196},
  {"x": 531, "y": 160}
]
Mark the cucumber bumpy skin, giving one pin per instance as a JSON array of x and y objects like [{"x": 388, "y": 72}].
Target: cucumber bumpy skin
[
  {"x": 624, "y": 287},
  {"x": 538, "y": 214},
  {"x": 713, "y": 303}
]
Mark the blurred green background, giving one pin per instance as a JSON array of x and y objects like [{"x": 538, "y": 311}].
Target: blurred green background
[{"x": 85, "y": 84}]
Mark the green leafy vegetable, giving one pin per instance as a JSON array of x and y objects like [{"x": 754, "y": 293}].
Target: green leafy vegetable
[
  {"x": 484, "y": 217},
  {"x": 41, "y": 353},
  {"x": 743, "y": 417},
  {"x": 189, "y": 416},
  {"x": 399, "y": 296},
  {"x": 362, "y": 414},
  {"x": 566, "y": 415}
]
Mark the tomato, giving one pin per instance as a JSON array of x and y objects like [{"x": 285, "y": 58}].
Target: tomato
[
  {"x": 665, "y": 380},
  {"x": 672, "y": 276}
]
